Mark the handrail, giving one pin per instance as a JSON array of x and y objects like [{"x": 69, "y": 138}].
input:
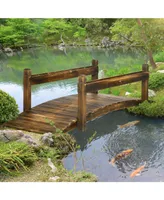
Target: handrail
[
  {"x": 29, "y": 79},
  {"x": 95, "y": 85}
]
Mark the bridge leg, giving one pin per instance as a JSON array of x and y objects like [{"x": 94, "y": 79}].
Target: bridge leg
[
  {"x": 81, "y": 117},
  {"x": 26, "y": 90},
  {"x": 95, "y": 75},
  {"x": 144, "y": 95}
]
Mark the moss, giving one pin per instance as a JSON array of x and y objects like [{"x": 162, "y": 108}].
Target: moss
[{"x": 8, "y": 107}]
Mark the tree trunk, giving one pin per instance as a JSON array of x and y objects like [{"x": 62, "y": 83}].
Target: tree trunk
[{"x": 149, "y": 52}]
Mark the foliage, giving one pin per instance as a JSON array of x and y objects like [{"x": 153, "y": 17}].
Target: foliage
[
  {"x": 128, "y": 31},
  {"x": 14, "y": 156},
  {"x": 159, "y": 57},
  {"x": 156, "y": 80},
  {"x": 18, "y": 32},
  {"x": 8, "y": 107},
  {"x": 152, "y": 108}
]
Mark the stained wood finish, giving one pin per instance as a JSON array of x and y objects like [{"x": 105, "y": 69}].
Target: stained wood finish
[
  {"x": 81, "y": 116},
  {"x": 144, "y": 94},
  {"x": 62, "y": 75},
  {"x": 95, "y": 75},
  {"x": 26, "y": 90},
  {"x": 116, "y": 81},
  {"x": 63, "y": 112}
]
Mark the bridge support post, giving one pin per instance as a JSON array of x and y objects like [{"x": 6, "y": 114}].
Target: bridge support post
[
  {"x": 81, "y": 116},
  {"x": 95, "y": 75},
  {"x": 144, "y": 95},
  {"x": 26, "y": 90}
]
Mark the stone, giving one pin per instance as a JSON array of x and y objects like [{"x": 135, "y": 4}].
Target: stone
[
  {"x": 151, "y": 93},
  {"x": 10, "y": 135},
  {"x": 127, "y": 93},
  {"x": 50, "y": 164},
  {"x": 47, "y": 139},
  {"x": 55, "y": 178},
  {"x": 28, "y": 140},
  {"x": 160, "y": 71},
  {"x": 101, "y": 74}
]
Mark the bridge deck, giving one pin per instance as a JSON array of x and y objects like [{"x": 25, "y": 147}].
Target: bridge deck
[{"x": 63, "y": 112}]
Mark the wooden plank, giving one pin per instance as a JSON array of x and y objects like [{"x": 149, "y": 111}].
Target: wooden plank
[
  {"x": 26, "y": 90},
  {"x": 81, "y": 114},
  {"x": 144, "y": 92},
  {"x": 95, "y": 76},
  {"x": 115, "y": 81},
  {"x": 62, "y": 75},
  {"x": 113, "y": 107}
]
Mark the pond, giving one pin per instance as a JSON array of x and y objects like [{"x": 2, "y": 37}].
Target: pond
[{"x": 146, "y": 138}]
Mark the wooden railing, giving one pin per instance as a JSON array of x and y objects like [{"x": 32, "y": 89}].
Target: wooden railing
[
  {"x": 99, "y": 84},
  {"x": 30, "y": 79}
]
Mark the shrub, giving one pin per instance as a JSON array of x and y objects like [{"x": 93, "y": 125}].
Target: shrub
[
  {"x": 8, "y": 107},
  {"x": 154, "y": 109},
  {"x": 159, "y": 57},
  {"x": 156, "y": 80},
  {"x": 14, "y": 156}
]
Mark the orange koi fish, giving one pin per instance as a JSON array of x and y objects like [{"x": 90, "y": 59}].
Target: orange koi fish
[
  {"x": 121, "y": 155},
  {"x": 129, "y": 124},
  {"x": 137, "y": 171}
]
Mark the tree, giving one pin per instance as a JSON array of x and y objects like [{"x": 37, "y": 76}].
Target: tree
[
  {"x": 54, "y": 28},
  {"x": 19, "y": 31},
  {"x": 145, "y": 33}
]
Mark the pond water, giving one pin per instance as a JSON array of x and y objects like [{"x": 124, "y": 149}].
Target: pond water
[{"x": 146, "y": 138}]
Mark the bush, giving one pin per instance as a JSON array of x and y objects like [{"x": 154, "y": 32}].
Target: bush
[
  {"x": 159, "y": 57},
  {"x": 14, "y": 156},
  {"x": 156, "y": 80},
  {"x": 8, "y": 107},
  {"x": 154, "y": 109}
]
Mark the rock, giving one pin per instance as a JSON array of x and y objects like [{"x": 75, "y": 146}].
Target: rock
[
  {"x": 160, "y": 71},
  {"x": 151, "y": 93},
  {"x": 28, "y": 140},
  {"x": 101, "y": 74},
  {"x": 10, "y": 135},
  {"x": 55, "y": 178},
  {"x": 127, "y": 93},
  {"x": 53, "y": 168},
  {"x": 47, "y": 139}
]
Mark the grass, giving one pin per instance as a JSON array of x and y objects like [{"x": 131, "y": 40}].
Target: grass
[{"x": 40, "y": 171}]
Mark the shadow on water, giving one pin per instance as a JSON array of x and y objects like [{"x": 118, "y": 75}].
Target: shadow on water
[{"x": 146, "y": 139}]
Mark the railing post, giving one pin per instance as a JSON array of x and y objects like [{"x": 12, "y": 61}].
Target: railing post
[
  {"x": 81, "y": 117},
  {"x": 26, "y": 90},
  {"x": 144, "y": 95},
  {"x": 95, "y": 76}
]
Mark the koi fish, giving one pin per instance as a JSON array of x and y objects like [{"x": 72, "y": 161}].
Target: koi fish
[
  {"x": 137, "y": 171},
  {"x": 121, "y": 155},
  {"x": 129, "y": 124}
]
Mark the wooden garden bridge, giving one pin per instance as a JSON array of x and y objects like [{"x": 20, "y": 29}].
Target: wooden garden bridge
[{"x": 75, "y": 110}]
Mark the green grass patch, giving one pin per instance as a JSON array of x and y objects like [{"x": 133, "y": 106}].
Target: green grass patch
[{"x": 14, "y": 156}]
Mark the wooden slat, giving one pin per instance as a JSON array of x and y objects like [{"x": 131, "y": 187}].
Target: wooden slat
[
  {"x": 65, "y": 117},
  {"x": 62, "y": 75},
  {"x": 115, "y": 81},
  {"x": 95, "y": 76}
]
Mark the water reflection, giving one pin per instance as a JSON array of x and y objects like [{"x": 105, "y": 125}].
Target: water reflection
[{"x": 146, "y": 139}]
